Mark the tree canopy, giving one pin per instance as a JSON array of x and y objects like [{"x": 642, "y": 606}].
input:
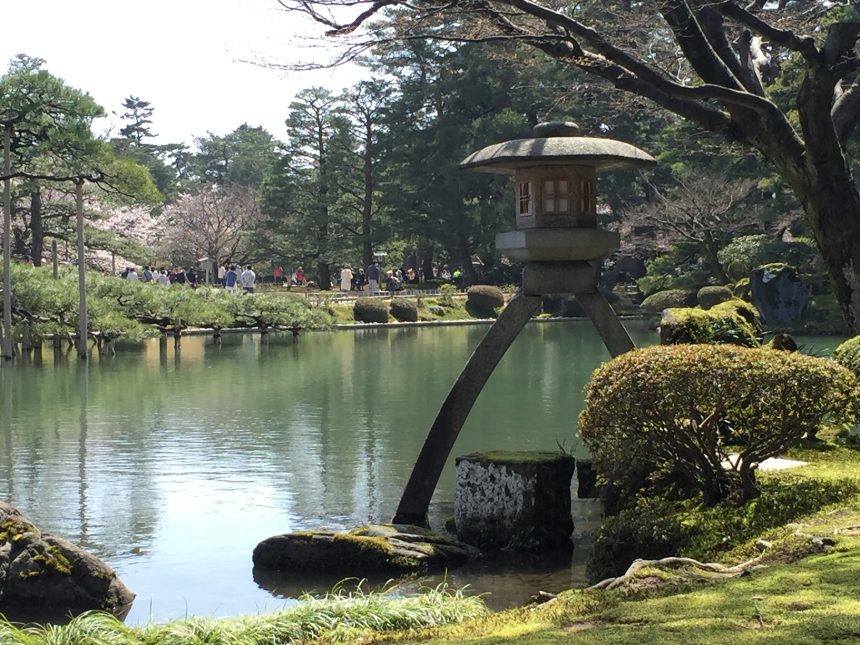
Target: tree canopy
[{"x": 781, "y": 78}]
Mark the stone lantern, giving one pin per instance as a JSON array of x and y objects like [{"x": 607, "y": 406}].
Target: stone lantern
[
  {"x": 559, "y": 242},
  {"x": 555, "y": 177}
]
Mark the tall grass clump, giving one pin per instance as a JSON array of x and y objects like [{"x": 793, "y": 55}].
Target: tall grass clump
[{"x": 337, "y": 616}]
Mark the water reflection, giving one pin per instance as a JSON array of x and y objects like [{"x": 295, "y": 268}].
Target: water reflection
[{"x": 173, "y": 465}]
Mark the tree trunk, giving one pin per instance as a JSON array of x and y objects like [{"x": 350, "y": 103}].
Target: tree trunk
[
  {"x": 36, "y": 228},
  {"x": 469, "y": 276},
  {"x": 324, "y": 276},
  {"x": 367, "y": 205},
  {"x": 710, "y": 247}
]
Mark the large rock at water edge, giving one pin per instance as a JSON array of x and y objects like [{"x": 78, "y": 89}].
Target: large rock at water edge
[
  {"x": 515, "y": 501},
  {"x": 778, "y": 294},
  {"x": 41, "y": 574},
  {"x": 395, "y": 548}
]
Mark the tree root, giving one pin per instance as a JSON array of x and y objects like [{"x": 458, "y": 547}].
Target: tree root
[{"x": 668, "y": 563}]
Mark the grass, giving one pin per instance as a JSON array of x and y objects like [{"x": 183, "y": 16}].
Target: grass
[{"x": 337, "y": 617}]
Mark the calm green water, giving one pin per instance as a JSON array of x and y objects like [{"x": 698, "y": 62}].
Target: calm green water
[{"x": 172, "y": 466}]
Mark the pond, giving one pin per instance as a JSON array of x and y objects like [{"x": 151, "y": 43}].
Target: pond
[{"x": 173, "y": 465}]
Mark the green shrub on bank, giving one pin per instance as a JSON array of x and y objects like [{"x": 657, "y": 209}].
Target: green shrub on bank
[
  {"x": 661, "y": 300},
  {"x": 655, "y": 527},
  {"x": 404, "y": 309},
  {"x": 734, "y": 322},
  {"x": 484, "y": 300},
  {"x": 675, "y": 408},
  {"x": 848, "y": 355},
  {"x": 712, "y": 295},
  {"x": 370, "y": 310}
]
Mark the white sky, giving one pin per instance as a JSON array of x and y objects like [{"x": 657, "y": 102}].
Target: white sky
[{"x": 183, "y": 56}]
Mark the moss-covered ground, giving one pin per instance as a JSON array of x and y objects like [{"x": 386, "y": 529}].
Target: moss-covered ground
[{"x": 804, "y": 593}]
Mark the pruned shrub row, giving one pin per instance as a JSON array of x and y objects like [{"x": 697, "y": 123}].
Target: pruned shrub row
[
  {"x": 484, "y": 300},
  {"x": 370, "y": 310},
  {"x": 404, "y": 309}
]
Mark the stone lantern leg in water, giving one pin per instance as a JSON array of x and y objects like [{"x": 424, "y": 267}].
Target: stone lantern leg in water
[{"x": 555, "y": 176}]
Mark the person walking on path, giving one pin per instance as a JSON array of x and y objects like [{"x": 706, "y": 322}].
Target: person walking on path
[
  {"x": 230, "y": 279},
  {"x": 346, "y": 279},
  {"x": 247, "y": 279},
  {"x": 373, "y": 278}
]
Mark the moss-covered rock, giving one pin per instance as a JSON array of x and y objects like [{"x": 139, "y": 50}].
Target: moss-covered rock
[
  {"x": 38, "y": 570},
  {"x": 732, "y": 322},
  {"x": 657, "y": 302},
  {"x": 370, "y": 310},
  {"x": 848, "y": 355},
  {"x": 484, "y": 300},
  {"x": 394, "y": 548},
  {"x": 783, "y": 342},
  {"x": 712, "y": 295},
  {"x": 404, "y": 309}
]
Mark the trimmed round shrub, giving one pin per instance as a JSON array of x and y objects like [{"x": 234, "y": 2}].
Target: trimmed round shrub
[
  {"x": 733, "y": 322},
  {"x": 404, "y": 309},
  {"x": 707, "y": 297},
  {"x": 370, "y": 310},
  {"x": 657, "y": 302},
  {"x": 675, "y": 408},
  {"x": 484, "y": 299},
  {"x": 848, "y": 355}
]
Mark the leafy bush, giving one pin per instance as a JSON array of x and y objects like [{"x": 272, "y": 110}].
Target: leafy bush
[
  {"x": 680, "y": 268},
  {"x": 404, "y": 309},
  {"x": 848, "y": 355},
  {"x": 446, "y": 295},
  {"x": 674, "y": 408},
  {"x": 745, "y": 253},
  {"x": 648, "y": 530},
  {"x": 484, "y": 299},
  {"x": 657, "y": 302},
  {"x": 370, "y": 310},
  {"x": 734, "y": 322},
  {"x": 709, "y": 296}
]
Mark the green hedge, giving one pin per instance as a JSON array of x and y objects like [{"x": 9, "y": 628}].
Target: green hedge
[
  {"x": 484, "y": 300},
  {"x": 661, "y": 300},
  {"x": 404, "y": 309},
  {"x": 370, "y": 310},
  {"x": 848, "y": 355},
  {"x": 710, "y": 296}
]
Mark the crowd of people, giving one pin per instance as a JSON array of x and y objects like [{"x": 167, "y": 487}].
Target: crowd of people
[
  {"x": 161, "y": 275},
  {"x": 235, "y": 278}
]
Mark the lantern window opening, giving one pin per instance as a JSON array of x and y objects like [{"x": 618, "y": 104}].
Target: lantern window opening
[
  {"x": 524, "y": 198},
  {"x": 556, "y": 195},
  {"x": 588, "y": 193}
]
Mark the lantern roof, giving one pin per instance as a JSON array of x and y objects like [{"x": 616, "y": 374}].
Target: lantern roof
[{"x": 557, "y": 143}]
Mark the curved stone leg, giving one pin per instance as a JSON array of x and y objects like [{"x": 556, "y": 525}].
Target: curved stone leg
[
  {"x": 604, "y": 318},
  {"x": 440, "y": 440}
]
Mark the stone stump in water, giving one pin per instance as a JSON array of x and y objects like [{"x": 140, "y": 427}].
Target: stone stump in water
[{"x": 515, "y": 501}]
